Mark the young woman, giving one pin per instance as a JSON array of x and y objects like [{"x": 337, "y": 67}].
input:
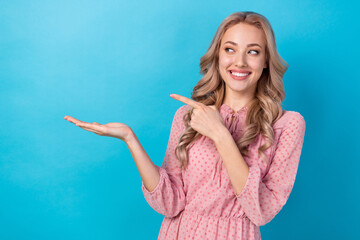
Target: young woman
[{"x": 233, "y": 152}]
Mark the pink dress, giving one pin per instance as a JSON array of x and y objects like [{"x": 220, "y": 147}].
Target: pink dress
[{"x": 200, "y": 202}]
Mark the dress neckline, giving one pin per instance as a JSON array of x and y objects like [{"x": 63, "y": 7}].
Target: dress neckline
[{"x": 228, "y": 109}]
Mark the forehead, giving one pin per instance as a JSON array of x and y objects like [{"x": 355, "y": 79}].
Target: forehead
[{"x": 244, "y": 34}]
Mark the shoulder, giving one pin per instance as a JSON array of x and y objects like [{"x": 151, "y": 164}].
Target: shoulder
[
  {"x": 181, "y": 111},
  {"x": 290, "y": 119},
  {"x": 179, "y": 114}
]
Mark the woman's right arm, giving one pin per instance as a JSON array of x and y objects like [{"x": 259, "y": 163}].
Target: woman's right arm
[
  {"x": 149, "y": 172},
  {"x": 163, "y": 186},
  {"x": 165, "y": 193}
]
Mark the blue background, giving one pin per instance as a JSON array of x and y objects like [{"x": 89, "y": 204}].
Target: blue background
[{"x": 118, "y": 61}]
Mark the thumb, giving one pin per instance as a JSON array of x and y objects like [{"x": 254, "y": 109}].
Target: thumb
[{"x": 213, "y": 107}]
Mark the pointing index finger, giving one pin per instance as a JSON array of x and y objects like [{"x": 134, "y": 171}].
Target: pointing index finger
[{"x": 186, "y": 100}]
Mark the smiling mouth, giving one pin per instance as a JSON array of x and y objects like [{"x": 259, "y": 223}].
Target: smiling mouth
[{"x": 239, "y": 74}]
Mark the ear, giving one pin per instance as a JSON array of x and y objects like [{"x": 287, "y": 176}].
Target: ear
[{"x": 265, "y": 65}]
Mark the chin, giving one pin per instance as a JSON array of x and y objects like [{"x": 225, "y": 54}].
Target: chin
[
  {"x": 237, "y": 89},
  {"x": 240, "y": 87}
]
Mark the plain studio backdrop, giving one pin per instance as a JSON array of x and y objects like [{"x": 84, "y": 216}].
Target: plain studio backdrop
[{"x": 118, "y": 61}]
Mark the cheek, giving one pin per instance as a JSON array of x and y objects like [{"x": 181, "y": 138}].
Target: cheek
[
  {"x": 256, "y": 64},
  {"x": 257, "y": 67},
  {"x": 224, "y": 61}
]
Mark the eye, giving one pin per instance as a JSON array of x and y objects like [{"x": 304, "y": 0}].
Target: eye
[
  {"x": 257, "y": 52},
  {"x": 227, "y": 49}
]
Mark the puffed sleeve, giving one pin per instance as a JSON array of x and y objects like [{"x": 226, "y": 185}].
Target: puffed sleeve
[
  {"x": 262, "y": 199},
  {"x": 168, "y": 197}
]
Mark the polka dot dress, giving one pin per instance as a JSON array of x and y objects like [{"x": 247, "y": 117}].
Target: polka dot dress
[{"x": 200, "y": 202}]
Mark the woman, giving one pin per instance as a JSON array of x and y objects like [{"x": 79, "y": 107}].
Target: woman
[{"x": 233, "y": 152}]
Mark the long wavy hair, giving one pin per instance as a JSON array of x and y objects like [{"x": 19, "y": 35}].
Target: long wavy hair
[{"x": 263, "y": 110}]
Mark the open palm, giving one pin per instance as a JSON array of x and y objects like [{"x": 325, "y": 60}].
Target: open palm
[{"x": 114, "y": 129}]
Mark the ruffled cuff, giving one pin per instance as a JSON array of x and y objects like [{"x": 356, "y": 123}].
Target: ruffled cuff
[{"x": 162, "y": 172}]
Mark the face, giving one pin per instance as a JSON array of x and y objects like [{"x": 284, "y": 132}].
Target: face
[{"x": 239, "y": 56}]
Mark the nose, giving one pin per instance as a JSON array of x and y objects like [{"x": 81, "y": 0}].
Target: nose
[{"x": 240, "y": 59}]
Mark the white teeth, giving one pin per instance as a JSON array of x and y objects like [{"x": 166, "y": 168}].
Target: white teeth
[{"x": 239, "y": 74}]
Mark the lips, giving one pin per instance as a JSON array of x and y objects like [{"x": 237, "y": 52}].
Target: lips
[
  {"x": 239, "y": 77},
  {"x": 239, "y": 71}
]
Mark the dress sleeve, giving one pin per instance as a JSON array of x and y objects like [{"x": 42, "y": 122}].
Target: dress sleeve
[
  {"x": 168, "y": 197},
  {"x": 262, "y": 199}
]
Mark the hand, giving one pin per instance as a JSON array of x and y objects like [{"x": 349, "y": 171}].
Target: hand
[
  {"x": 204, "y": 119},
  {"x": 117, "y": 130}
]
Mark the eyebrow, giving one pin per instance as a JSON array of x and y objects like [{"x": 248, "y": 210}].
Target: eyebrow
[{"x": 249, "y": 45}]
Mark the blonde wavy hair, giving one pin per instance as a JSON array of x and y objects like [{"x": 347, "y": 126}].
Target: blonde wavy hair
[{"x": 263, "y": 111}]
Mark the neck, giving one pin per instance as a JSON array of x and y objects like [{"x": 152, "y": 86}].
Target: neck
[{"x": 238, "y": 101}]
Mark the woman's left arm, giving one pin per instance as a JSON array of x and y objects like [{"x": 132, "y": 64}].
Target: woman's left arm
[
  {"x": 236, "y": 166},
  {"x": 262, "y": 199}
]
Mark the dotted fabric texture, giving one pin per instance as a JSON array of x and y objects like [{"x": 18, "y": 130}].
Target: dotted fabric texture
[{"x": 200, "y": 202}]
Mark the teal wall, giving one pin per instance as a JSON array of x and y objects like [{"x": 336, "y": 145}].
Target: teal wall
[{"x": 118, "y": 61}]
